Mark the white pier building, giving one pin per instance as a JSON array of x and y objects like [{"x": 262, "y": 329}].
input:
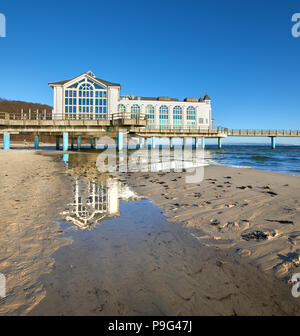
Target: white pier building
[{"x": 89, "y": 97}]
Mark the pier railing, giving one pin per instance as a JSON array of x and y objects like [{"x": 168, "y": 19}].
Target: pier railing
[
  {"x": 258, "y": 132},
  {"x": 45, "y": 115},
  {"x": 29, "y": 115},
  {"x": 140, "y": 120}
]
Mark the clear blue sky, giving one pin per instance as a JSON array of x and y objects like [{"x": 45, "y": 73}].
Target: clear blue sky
[{"x": 241, "y": 53}]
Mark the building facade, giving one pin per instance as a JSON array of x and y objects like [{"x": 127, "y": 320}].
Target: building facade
[{"x": 89, "y": 97}]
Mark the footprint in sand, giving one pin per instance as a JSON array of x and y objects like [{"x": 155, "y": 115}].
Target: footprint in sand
[
  {"x": 243, "y": 252},
  {"x": 292, "y": 259},
  {"x": 245, "y": 187},
  {"x": 258, "y": 235},
  {"x": 235, "y": 226}
]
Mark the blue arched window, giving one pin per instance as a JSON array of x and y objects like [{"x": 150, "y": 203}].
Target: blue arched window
[
  {"x": 121, "y": 108},
  {"x": 191, "y": 116},
  {"x": 177, "y": 116},
  {"x": 86, "y": 100},
  {"x": 135, "y": 110},
  {"x": 163, "y": 116},
  {"x": 150, "y": 113}
]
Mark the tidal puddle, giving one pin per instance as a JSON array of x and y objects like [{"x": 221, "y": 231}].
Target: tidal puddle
[{"x": 125, "y": 259}]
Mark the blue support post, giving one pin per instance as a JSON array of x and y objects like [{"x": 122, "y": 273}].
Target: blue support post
[
  {"x": 65, "y": 157},
  {"x": 6, "y": 141},
  {"x": 57, "y": 143},
  {"x": 120, "y": 141},
  {"x": 153, "y": 142},
  {"x": 92, "y": 143},
  {"x": 273, "y": 142},
  {"x": 198, "y": 142},
  {"x": 141, "y": 142},
  {"x": 65, "y": 141},
  {"x": 219, "y": 143},
  {"x": 72, "y": 143},
  {"x": 36, "y": 142},
  {"x": 194, "y": 143},
  {"x": 78, "y": 142}
]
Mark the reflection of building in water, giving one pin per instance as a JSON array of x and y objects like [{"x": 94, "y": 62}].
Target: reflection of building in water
[{"x": 94, "y": 202}]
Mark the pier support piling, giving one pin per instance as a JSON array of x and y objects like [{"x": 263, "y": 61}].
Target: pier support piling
[
  {"x": 96, "y": 143},
  {"x": 72, "y": 143},
  {"x": 65, "y": 141},
  {"x": 198, "y": 143},
  {"x": 78, "y": 142},
  {"x": 36, "y": 142},
  {"x": 153, "y": 142},
  {"x": 273, "y": 142},
  {"x": 203, "y": 143},
  {"x": 141, "y": 142},
  {"x": 57, "y": 143},
  {"x": 120, "y": 141},
  {"x": 92, "y": 143},
  {"x": 185, "y": 140},
  {"x": 171, "y": 142},
  {"x": 219, "y": 143},
  {"x": 6, "y": 141}
]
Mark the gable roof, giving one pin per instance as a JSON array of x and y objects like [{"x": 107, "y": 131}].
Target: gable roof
[{"x": 107, "y": 83}]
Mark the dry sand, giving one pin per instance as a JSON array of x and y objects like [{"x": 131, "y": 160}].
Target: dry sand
[{"x": 31, "y": 198}]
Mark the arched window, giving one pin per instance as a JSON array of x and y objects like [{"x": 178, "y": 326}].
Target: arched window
[
  {"x": 85, "y": 100},
  {"x": 177, "y": 117},
  {"x": 163, "y": 116},
  {"x": 121, "y": 108},
  {"x": 86, "y": 90},
  {"x": 150, "y": 113},
  {"x": 191, "y": 116},
  {"x": 135, "y": 110}
]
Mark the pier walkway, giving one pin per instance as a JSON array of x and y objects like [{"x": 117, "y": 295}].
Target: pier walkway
[{"x": 116, "y": 126}]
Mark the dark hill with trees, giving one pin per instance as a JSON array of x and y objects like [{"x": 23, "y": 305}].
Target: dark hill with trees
[{"x": 15, "y": 106}]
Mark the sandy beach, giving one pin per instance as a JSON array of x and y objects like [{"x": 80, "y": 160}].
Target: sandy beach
[
  {"x": 256, "y": 213},
  {"x": 225, "y": 246},
  {"x": 31, "y": 199}
]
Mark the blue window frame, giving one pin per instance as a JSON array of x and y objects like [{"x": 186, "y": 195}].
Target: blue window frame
[
  {"x": 163, "y": 116},
  {"x": 121, "y": 108},
  {"x": 135, "y": 110},
  {"x": 177, "y": 116},
  {"x": 86, "y": 90}
]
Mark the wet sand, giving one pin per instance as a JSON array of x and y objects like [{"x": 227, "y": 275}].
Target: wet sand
[
  {"x": 256, "y": 213},
  {"x": 147, "y": 261},
  {"x": 31, "y": 199},
  {"x": 142, "y": 264}
]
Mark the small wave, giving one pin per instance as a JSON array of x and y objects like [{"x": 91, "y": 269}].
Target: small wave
[{"x": 260, "y": 158}]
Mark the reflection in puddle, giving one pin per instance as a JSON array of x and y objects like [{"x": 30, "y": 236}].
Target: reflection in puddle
[{"x": 96, "y": 201}]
